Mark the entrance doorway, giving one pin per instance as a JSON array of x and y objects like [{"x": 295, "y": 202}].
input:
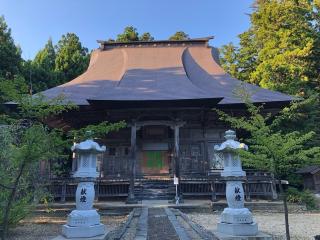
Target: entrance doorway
[{"x": 155, "y": 162}]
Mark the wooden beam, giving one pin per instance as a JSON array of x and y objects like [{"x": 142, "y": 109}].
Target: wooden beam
[{"x": 171, "y": 124}]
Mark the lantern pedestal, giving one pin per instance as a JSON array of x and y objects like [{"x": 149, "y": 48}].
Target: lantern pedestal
[
  {"x": 236, "y": 220},
  {"x": 84, "y": 222}
]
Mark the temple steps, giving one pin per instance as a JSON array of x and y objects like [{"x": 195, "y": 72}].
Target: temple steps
[{"x": 154, "y": 189}]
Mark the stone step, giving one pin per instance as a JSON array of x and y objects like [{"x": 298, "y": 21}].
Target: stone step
[{"x": 154, "y": 190}]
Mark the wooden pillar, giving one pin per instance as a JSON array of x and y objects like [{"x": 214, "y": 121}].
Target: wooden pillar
[
  {"x": 213, "y": 191},
  {"x": 63, "y": 192},
  {"x": 247, "y": 191},
  {"x": 133, "y": 149},
  {"x": 177, "y": 157},
  {"x": 74, "y": 161}
]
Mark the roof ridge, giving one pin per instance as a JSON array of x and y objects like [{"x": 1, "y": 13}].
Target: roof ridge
[{"x": 202, "y": 41}]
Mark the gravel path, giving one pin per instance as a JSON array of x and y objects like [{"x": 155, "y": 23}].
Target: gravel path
[
  {"x": 48, "y": 227},
  {"x": 303, "y": 226}
]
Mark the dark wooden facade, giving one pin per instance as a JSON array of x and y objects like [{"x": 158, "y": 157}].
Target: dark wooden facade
[{"x": 154, "y": 145}]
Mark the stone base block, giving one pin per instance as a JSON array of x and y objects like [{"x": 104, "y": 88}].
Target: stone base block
[
  {"x": 100, "y": 237},
  {"x": 87, "y": 218},
  {"x": 259, "y": 236},
  {"x": 238, "y": 229},
  {"x": 236, "y": 215},
  {"x": 83, "y": 231}
]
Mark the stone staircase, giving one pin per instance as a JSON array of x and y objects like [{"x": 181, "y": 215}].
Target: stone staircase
[{"x": 154, "y": 189}]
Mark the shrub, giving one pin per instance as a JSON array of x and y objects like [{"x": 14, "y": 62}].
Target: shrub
[{"x": 301, "y": 197}]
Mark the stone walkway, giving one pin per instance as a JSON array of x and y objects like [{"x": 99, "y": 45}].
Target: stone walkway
[{"x": 159, "y": 224}]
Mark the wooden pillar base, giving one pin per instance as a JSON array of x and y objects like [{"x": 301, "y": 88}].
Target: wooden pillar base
[
  {"x": 131, "y": 201},
  {"x": 174, "y": 200}
]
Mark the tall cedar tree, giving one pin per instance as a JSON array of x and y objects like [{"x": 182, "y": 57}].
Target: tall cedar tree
[
  {"x": 180, "y": 35},
  {"x": 280, "y": 51},
  {"x": 40, "y": 72},
  {"x": 72, "y": 58},
  {"x": 129, "y": 34},
  {"x": 46, "y": 57},
  {"x": 146, "y": 37},
  {"x": 281, "y": 48},
  {"x": 10, "y": 54}
]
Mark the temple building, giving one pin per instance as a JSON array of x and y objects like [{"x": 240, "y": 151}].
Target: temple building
[{"x": 165, "y": 91}]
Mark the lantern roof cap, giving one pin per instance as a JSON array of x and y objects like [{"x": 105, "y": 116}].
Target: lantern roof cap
[
  {"x": 88, "y": 146},
  {"x": 230, "y": 143}
]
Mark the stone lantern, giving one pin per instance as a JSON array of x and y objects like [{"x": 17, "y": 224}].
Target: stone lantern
[
  {"x": 84, "y": 222},
  {"x": 235, "y": 220}
]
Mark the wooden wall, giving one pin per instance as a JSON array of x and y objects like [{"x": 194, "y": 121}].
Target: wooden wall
[{"x": 196, "y": 150}]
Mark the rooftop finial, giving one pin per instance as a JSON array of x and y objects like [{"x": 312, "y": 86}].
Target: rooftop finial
[
  {"x": 89, "y": 134},
  {"x": 230, "y": 135}
]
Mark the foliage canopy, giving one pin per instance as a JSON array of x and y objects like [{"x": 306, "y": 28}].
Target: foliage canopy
[
  {"x": 270, "y": 148},
  {"x": 280, "y": 50},
  {"x": 180, "y": 35}
]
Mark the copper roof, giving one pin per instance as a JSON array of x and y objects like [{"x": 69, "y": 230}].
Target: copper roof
[{"x": 157, "y": 70}]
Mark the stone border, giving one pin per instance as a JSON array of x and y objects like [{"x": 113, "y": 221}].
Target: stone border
[
  {"x": 142, "y": 229},
  {"x": 120, "y": 233},
  {"x": 182, "y": 234},
  {"x": 203, "y": 233}
]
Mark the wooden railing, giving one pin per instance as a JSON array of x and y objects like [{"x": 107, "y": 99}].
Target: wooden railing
[
  {"x": 65, "y": 188},
  {"x": 258, "y": 184},
  {"x": 216, "y": 189}
]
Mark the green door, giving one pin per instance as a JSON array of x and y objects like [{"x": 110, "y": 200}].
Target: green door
[{"x": 155, "y": 162}]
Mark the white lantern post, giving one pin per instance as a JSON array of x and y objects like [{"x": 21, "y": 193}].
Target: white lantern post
[
  {"x": 84, "y": 222},
  {"x": 236, "y": 220}
]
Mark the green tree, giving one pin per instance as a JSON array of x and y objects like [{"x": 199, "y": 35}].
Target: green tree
[
  {"x": 72, "y": 58},
  {"x": 229, "y": 62},
  {"x": 46, "y": 57},
  {"x": 40, "y": 72},
  {"x": 180, "y": 35},
  {"x": 38, "y": 78},
  {"x": 306, "y": 111},
  {"x": 146, "y": 37},
  {"x": 25, "y": 140},
  {"x": 10, "y": 54},
  {"x": 271, "y": 149},
  {"x": 129, "y": 34},
  {"x": 280, "y": 50}
]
